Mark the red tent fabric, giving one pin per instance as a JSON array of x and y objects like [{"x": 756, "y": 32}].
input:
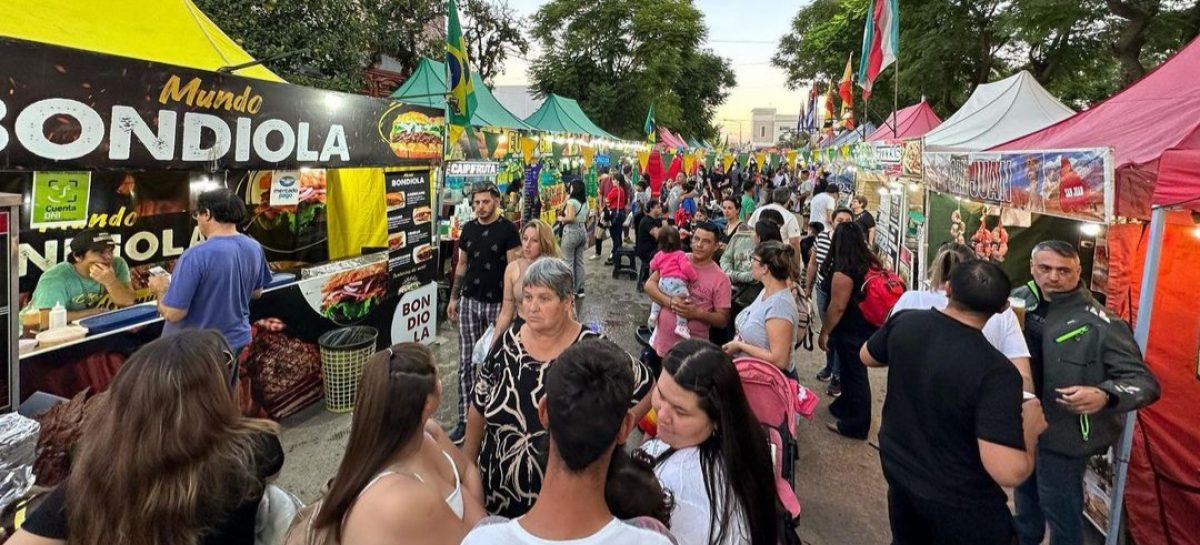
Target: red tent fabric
[
  {"x": 654, "y": 168},
  {"x": 1178, "y": 179},
  {"x": 911, "y": 122},
  {"x": 1158, "y": 112},
  {"x": 1163, "y": 492}
]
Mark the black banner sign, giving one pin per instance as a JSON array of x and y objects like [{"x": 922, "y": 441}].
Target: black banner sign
[
  {"x": 411, "y": 251},
  {"x": 64, "y": 109}
]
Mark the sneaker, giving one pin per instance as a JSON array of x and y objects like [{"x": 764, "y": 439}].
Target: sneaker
[
  {"x": 652, "y": 321},
  {"x": 594, "y": 257},
  {"x": 457, "y": 434},
  {"x": 834, "y": 389},
  {"x": 682, "y": 331},
  {"x": 580, "y": 295},
  {"x": 824, "y": 375},
  {"x": 608, "y": 261}
]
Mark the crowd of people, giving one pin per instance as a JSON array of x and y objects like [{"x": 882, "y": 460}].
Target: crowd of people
[{"x": 544, "y": 448}]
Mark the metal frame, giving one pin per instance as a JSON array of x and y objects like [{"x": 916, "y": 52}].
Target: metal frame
[{"x": 11, "y": 203}]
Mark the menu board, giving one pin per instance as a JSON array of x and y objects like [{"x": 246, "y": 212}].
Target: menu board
[
  {"x": 887, "y": 229},
  {"x": 411, "y": 250}
]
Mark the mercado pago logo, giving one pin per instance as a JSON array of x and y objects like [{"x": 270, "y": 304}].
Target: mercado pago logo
[{"x": 169, "y": 135}]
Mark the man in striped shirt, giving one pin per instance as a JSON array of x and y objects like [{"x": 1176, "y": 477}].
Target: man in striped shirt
[{"x": 813, "y": 278}]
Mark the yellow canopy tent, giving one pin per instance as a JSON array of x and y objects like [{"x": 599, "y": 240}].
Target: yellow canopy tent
[
  {"x": 177, "y": 32},
  {"x": 169, "y": 31}
]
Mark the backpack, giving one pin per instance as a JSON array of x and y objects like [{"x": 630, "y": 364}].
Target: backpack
[{"x": 881, "y": 289}]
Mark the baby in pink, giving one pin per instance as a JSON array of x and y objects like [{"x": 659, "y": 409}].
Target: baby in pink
[{"x": 675, "y": 272}]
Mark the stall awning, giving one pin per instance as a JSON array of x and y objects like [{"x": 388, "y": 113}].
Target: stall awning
[
  {"x": 911, "y": 122},
  {"x": 167, "y": 31},
  {"x": 561, "y": 114},
  {"x": 998, "y": 112},
  {"x": 1178, "y": 179},
  {"x": 427, "y": 87}
]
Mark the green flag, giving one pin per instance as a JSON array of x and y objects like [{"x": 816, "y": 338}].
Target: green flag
[
  {"x": 651, "y": 128},
  {"x": 461, "y": 103}
]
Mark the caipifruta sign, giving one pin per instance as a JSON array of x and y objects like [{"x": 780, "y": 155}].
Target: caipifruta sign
[{"x": 67, "y": 109}]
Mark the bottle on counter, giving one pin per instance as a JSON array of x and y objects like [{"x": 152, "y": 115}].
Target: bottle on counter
[{"x": 58, "y": 316}]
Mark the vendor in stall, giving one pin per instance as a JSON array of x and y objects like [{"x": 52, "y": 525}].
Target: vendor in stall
[{"x": 92, "y": 279}]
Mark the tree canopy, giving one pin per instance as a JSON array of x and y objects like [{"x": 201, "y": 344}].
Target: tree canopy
[
  {"x": 617, "y": 57},
  {"x": 1080, "y": 50},
  {"x": 337, "y": 39}
]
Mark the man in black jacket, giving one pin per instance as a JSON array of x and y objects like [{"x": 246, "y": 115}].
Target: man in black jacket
[{"x": 1088, "y": 371}]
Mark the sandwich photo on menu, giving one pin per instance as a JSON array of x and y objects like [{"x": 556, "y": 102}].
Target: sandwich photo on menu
[
  {"x": 396, "y": 241},
  {"x": 423, "y": 253},
  {"x": 395, "y": 201},
  {"x": 422, "y": 215}
]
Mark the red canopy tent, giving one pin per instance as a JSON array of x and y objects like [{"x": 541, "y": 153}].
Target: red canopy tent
[
  {"x": 1159, "y": 112},
  {"x": 1153, "y": 127},
  {"x": 911, "y": 122}
]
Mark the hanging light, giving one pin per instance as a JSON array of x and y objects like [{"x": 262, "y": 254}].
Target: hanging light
[{"x": 1090, "y": 229}]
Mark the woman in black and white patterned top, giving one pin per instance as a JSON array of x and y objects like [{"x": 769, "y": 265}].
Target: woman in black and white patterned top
[{"x": 503, "y": 429}]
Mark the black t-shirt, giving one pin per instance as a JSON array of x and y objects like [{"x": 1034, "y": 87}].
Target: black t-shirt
[
  {"x": 645, "y": 241},
  {"x": 486, "y": 248},
  {"x": 1035, "y": 324},
  {"x": 947, "y": 387},
  {"x": 865, "y": 220},
  {"x": 233, "y": 527}
]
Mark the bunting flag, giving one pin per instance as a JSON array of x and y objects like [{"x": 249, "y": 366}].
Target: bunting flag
[
  {"x": 727, "y": 160},
  {"x": 881, "y": 42},
  {"x": 828, "y": 120},
  {"x": 791, "y": 158},
  {"x": 458, "y": 73},
  {"x": 651, "y": 128},
  {"x": 528, "y": 144},
  {"x": 760, "y": 159},
  {"x": 689, "y": 164},
  {"x": 643, "y": 159},
  {"x": 589, "y": 155}
]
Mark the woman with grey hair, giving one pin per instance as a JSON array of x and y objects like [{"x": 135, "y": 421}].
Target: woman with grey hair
[{"x": 504, "y": 432}]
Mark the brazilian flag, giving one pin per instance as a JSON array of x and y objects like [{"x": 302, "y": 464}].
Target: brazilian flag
[
  {"x": 461, "y": 103},
  {"x": 651, "y": 127}
]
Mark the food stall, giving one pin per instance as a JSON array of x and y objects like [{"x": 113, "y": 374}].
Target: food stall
[{"x": 339, "y": 189}]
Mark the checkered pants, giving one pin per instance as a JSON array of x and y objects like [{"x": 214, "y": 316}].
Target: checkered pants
[{"x": 474, "y": 317}]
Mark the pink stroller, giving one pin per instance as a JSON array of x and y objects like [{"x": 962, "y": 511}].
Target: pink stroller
[{"x": 777, "y": 402}]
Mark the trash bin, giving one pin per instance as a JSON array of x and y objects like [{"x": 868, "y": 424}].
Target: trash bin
[{"x": 343, "y": 353}]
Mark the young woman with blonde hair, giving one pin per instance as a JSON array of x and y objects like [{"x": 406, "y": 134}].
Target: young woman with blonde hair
[{"x": 537, "y": 241}]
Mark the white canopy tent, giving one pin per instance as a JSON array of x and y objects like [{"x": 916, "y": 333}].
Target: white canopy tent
[{"x": 996, "y": 113}]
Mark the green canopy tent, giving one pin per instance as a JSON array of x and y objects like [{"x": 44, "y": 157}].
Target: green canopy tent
[
  {"x": 559, "y": 114},
  {"x": 427, "y": 87}
]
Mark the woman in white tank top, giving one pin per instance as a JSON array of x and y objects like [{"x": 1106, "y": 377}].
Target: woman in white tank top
[{"x": 401, "y": 480}]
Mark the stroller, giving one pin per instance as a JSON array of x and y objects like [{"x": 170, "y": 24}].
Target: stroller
[{"x": 777, "y": 402}]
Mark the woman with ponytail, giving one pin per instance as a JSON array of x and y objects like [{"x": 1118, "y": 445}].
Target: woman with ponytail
[
  {"x": 766, "y": 328},
  {"x": 401, "y": 480}
]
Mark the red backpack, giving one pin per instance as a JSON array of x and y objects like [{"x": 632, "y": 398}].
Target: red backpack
[{"x": 881, "y": 289}]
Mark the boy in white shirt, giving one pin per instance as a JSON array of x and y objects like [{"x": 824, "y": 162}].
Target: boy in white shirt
[{"x": 586, "y": 412}]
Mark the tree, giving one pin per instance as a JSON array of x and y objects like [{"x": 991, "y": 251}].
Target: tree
[
  {"x": 493, "y": 31},
  {"x": 332, "y": 37},
  {"x": 337, "y": 39},
  {"x": 1080, "y": 50},
  {"x": 617, "y": 57}
]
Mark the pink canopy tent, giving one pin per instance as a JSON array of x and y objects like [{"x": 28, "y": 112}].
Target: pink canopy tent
[
  {"x": 669, "y": 139},
  {"x": 911, "y": 122},
  {"x": 1159, "y": 112}
]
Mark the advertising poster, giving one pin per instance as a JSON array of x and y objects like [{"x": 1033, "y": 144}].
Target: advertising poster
[
  {"x": 416, "y": 316},
  {"x": 911, "y": 159},
  {"x": 411, "y": 250},
  {"x": 885, "y": 237},
  {"x": 1066, "y": 183},
  {"x": 60, "y": 199},
  {"x": 81, "y": 110}
]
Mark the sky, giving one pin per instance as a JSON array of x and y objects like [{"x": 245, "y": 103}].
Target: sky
[{"x": 746, "y": 32}]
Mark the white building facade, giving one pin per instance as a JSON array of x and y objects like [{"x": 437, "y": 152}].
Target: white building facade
[{"x": 768, "y": 126}]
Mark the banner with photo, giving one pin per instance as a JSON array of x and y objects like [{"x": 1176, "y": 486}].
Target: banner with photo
[
  {"x": 69, "y": 109},
  {"x": 1076, "y": 184}
]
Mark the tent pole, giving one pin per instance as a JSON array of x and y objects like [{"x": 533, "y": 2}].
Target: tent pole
[
  {"x": 1141, "y": 333},
  {"x": 896, "y": 99}
]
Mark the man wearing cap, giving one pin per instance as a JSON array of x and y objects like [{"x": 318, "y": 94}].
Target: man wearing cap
[{"x": 90, "y": 281}]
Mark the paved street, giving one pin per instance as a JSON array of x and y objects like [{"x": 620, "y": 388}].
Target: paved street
[{"x": 838, "y": 480}]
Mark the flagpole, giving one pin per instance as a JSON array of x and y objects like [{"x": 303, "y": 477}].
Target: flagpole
[{"x": 896, "y": 99}]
